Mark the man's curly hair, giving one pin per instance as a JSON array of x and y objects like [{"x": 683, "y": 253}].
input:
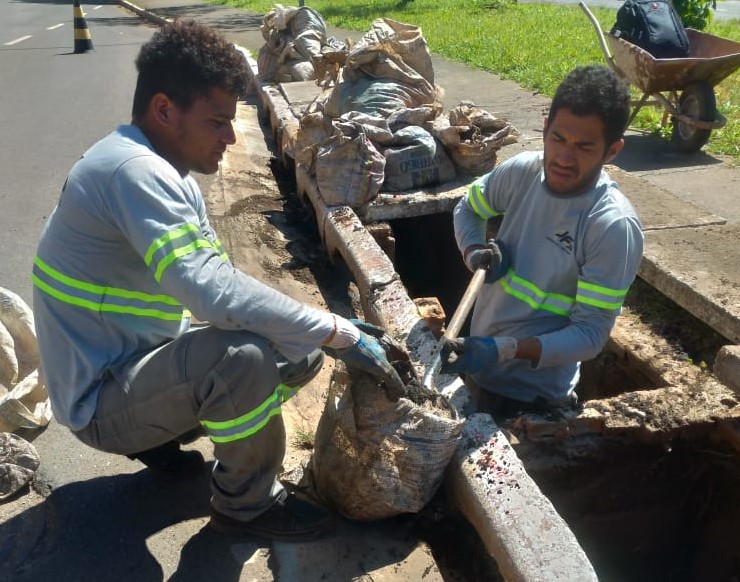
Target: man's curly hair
[
  {"x": 595, "y": 90},
  {"x": 185, "y": 61}
]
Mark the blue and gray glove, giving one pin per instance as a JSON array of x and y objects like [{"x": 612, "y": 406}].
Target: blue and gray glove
[
  {"x": 494, "y": 256},
  {"x": 368, "y": 354},
  {"x": 470, "y": 355}
]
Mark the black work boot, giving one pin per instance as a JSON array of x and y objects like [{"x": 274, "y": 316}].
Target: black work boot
[
  {"x": 290, "y": 519},
  {"x": 169, "y": 462},
  {"x": 298, "y": 374}
]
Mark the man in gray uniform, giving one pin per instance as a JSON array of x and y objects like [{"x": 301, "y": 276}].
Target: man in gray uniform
[
  {"x": 566, "y": 252},
  {"x": 125, "y": 258}
]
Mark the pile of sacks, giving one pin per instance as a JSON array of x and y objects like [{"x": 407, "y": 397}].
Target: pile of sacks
[
  {"x": 379, "y": 125},
  {"x": 24, "y": 403}
]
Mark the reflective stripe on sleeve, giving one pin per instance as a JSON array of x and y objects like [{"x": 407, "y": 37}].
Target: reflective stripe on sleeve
[
  {"x": 533, "y": 296},
  {"x": 587, "y": 294},
  {"x": 601, "y": 297},
  {"x": 175, "y": 244},
  {"x": 103, "y": 299},
  {"x": 253, "y": 421},
  {"x": 478, "y": 202}
]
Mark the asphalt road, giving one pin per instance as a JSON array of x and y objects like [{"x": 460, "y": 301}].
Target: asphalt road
[{"x": 54, "y": 104}]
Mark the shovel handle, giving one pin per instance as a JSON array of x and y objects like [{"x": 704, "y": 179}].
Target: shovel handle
[{"x": 456, "y": 323}]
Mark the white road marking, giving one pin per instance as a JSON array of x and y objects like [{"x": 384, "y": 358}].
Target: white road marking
[
  {"x": 98, "y": 7},
  {"x": 55, "y": 26},
  {"x": 17, "y": 40}
]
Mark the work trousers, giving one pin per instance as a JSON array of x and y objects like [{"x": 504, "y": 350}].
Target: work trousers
[{"x": 227, "y": 381}]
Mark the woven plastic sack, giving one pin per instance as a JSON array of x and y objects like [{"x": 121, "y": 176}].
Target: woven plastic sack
[
  {"x": 24, "y": 402},
  {"x": 349, "y": 169},
  {"x": 415, "y": 160},
  {"x": 293, "y": 36},
  {"x": 373, "y": 458}
]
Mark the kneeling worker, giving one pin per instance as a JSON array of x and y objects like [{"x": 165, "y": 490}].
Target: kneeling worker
[
  {"x": 567, "y": 250},
  {"x": 128, "y": 254}
]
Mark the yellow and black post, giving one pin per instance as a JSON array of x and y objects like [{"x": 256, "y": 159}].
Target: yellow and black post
[{"x": 83, "y": 40}]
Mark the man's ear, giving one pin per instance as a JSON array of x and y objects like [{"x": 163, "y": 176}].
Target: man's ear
[
  {"x": 613, "y": 150},
  {"x": 162, "y": 109}
]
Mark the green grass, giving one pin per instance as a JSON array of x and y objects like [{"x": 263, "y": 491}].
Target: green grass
[{"x": 534, "y": 45}]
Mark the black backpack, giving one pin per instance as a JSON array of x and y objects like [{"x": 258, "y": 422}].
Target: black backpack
[{"x": 653, "y": 25}]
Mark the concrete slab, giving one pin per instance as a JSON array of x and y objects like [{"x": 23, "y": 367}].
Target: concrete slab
[
  {"x": 698, "y": 269},
  {"x": 657, "y": 207}
]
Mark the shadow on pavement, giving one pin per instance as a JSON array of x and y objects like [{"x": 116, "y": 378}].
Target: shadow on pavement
[
  {"x": 214, "y": 15},
  {"x": 643, "y": 153},
  {"x": 98, "y": 529}
]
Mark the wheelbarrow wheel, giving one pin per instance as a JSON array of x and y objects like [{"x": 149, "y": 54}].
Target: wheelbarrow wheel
[{"x": 698, "y": 102}]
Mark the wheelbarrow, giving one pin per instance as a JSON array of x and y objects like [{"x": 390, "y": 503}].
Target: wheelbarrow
[{"x": 684, "y": 87}]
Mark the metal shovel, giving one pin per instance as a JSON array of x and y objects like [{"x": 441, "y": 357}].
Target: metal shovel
[{"x": 458, "y": 318}]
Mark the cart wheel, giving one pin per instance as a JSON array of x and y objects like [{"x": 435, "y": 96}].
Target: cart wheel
[{"x": 696, "y": 101}]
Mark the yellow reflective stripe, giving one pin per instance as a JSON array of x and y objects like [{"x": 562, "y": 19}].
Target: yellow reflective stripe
[
  {"x": 220, "y": 250},
  {"x": 101, "y": 289},
  {"x": 101, "y": 307},
  {"x": 180, "y": 252},
  {"x": 478, "y": 202},
  {"x": 530, "y": 294},
  {"x": 601, "y": 297},
  {"x": 194, "y": 241},
  {"x": 251, "y": 422},
  {"x": 171, "y": 236}
]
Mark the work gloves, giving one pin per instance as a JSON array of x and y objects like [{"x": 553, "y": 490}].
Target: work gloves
[
  {"x": 366, "y": 353},
  {"x": 470, "y": 355},
  {"x": 494, "y": 256}
]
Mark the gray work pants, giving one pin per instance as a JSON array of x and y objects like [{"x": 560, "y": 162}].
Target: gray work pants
[{"x": 225, "y": 378}]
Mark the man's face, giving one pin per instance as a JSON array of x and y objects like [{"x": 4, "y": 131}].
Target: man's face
[
  {"x": 575, "y": 151},
  {"x": 202, "y": 133}
]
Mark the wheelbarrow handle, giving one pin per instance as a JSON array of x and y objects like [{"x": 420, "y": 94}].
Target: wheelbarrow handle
[
  {"x": 456, "y": 323},
  {"x": 602, "y": 41}
]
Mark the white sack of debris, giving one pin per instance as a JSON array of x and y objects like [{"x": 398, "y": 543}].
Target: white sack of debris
[
  {"x": 390, "y": 68},
  {"x": 375, "y": 459},
  {"x": 293, "y": 38},
  {"x": 472, "y": 136},
  {"x": 24, "y": 402}
]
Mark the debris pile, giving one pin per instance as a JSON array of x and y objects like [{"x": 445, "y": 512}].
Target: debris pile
[
  {"x": 23, "y": 399},
  {"x": 378, "y": 125}
]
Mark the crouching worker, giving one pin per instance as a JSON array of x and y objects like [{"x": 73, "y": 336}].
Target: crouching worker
[
  {"x": 125, "y": 258},
  {"x": 567, "y": 250}
]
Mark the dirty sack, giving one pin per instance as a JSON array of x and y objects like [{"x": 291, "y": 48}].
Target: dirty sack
[
  {"x": 374, "y": 458},
  {"x": 415, "y": 159},
  {"x": 18, "y": 463},
  {"x": 389, "y": 68},
  {"x": 293, "y": 38},
  {"x": 349, "y": 168},
  {"x": 23, "y": 399},
  {"x": 472, "y": 136}
]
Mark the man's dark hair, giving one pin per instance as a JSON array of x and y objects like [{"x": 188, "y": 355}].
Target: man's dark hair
[
  {"x": 595, "y": 90},
  {"x": 185, "y": 61}
]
